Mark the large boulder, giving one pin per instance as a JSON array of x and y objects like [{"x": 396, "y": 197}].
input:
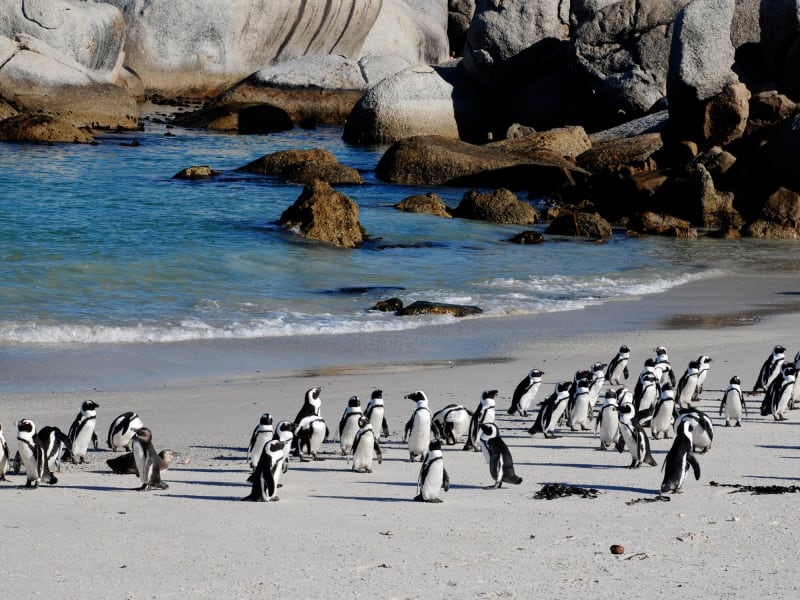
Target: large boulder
[
  {"x": 420, "y": 100},
  {"x": 321, "y": 213},
  {"x": 429, "y": 204},
  {"x": 41, "y": 128},
  {"x": 783, "y": 208},
  {"x": 36, "y": 78},
  {"x": 414, "y": 30},
  {"x": 434, "y": 160},
  {"x": 500, "y": 206},
  {"x": 581, "y": 224},
  {"x": 511, "y": 41},
  {"x": 661, "y": 224},
  {"x": 304, "y": 166},
  {"x": 560, "y": 141},
  {"x": 623, "y": 49},
  {"x": 198, "y": 48},
  {"x": 459, "y": 16}
]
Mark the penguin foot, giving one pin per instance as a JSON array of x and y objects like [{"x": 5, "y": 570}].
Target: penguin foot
[
  {"x": 419, "y": 498},
  {"x": 274, "y": 499},
  {"x": 738, "y": 424},
  {"x": 3, "y": 477},
  {"x": 727, "y": 424},
  {"x": 496, "y": 486}
]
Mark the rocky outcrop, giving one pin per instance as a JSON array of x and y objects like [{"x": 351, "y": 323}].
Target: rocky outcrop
[
  {"x": 420, "y": 100},
  {"x": 304, "y": 166},
  {"x": 422, "y": 307},
  {"x": 660, "y": 224},
  {"x": 500, "y": 206},
  {"x": 41, "y": 128},
  {"x": 430, "y": 204},
  {"x": 459, "y": 16},
  {"x": 527, "y": 238},
  {"x": 180, "y": 48},
  {"x": 201, "y": 172},
  {"x": 433, "y": 160},
  {"x": 564, "y": 142},
  {"x": 414, "y": 30},
  {"x": 581, "y": 224},
  {"x": 241, "y": 117},
  {"x": 507, "y": 38},
  {"x": 321, "y": 213}
]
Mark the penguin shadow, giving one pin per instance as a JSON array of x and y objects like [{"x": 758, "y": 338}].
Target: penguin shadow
[
  {"x": 215, "y": 483},
  {"x": 569, "y": 465},
  {"x": 201, "y": 497},
  {"x": 365, "y": 498},
  {"x": 772, "y": 447},
  {"x": 770, "y": 477},
  {"x": 180, "y": 469},
  {"x": 101, "y": 488},
  {"x": 241, "y": 450}
]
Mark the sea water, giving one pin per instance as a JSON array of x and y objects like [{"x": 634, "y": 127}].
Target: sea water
[{"x": 100, "y": 245}]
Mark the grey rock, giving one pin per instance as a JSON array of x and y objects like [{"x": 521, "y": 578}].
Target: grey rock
[
  {"x": 499, "y": 206},
  {"x": 377, "y": 67}
]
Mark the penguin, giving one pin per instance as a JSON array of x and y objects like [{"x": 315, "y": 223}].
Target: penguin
[
  {"x": 608, "y": 421},
  {"x": 770, "y": 369},
  {"x": 266, "y": 478},
  {"x": 618, "y": 366},
  {"x": 646, "y": 393},
  {"x": 81, "y": 432},
  {"x": 663, "y": 412},
  {"x": 581, "y": 412},
  {"x": 125, "y": 464},
  {"x": 497, "y": 454},
  {"x": 262, "y": 433},
  {"x": 596, "y": 382},
  {"x": 452, "y": 422},
  {"x": 148, "y": 464},
  {"x": 525, "y": 393},
  {"x": 376, "y": 413},
  {"x": 678, "y": 461},
  {"x": 634, "y": 437},
  {"x": 484, "y": 413},
  {"x": 419, "y": 426},
  {"x": 120, "y": 432},
  {"x": 705, "y": 366},
  {"x": 702, "y": 428},
  {"x": 579, "y": 375},
  {"x": 432, "y": 475},
  {"x": 664, "y": 367},
  {"x": 733, "y": 402},
  {"x": 796, "y": 387},
  {"x": 312, "y": 405},
  {"x": 4, "y": 455},
  {"x": 687, "y": 385},
  {"x": 348, "y": 425},
  {"x": 779, "y": 392},
  {"x": 284, "y": 432},
  {"x": 365, "y": 447},
  {"x": 32, "y": 456},
  {"x": 54, "y": 442},
  {"x": 308, "y": 437},
  {"x": 551, "y": 410}
]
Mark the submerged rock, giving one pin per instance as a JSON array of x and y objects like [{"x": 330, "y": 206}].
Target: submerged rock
[
  {"x": 422, "y": 307},
  {"x": 200, "y": 172},
  {"x": 500, "y": 206},
  {"x": 41, "y": 128},
  {"x": 430, "y": 203},
  {"x": 304, "y": 166}
]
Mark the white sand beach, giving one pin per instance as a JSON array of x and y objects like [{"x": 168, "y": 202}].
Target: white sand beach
[{"x": 335, "y": 532}]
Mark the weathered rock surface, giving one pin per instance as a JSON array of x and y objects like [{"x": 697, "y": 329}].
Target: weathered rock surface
[
  {"x": 459, "y": 16},
  {"x": 199, "y": 172},
  {"x": 581, "y": 224},
  {"x": 242, "y": 117},
  {"x": 500, "y": 206},
  {"x": 414, "y": 30},
  {"x": 632, "y": 154},
  {"x": 422, "y": 307},
  {"x": 41, "y": 128},
  {"x": 563, "y": 142},
  {"x": 430, "y": 204},
  {"x": 527, "y": 238},
  {"x": 783, "y": 208},
  {"x": 434, "y": 160},
  {"x": 304, "y": 166},
  {"x": 660, "y": 224},
  {"x": 321, "y": 213}
]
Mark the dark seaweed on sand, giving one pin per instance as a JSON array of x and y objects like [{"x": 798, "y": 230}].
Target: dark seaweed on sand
[
  {"x": 759, "y": 489},
  {"x": 551, "y": 491}
]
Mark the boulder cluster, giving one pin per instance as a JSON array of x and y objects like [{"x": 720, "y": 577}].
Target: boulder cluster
[{"x": 661, "y": 116}]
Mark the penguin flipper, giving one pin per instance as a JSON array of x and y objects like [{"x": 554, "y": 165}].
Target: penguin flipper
[
  {"x": 620, "y": 444},
  {"x": 445, "y": 480},
  {"x": 377, "y": 449},
  {"x": 648, "y": 458},
  {"x": 625, "y": 372},
  {"x": 692, "y": 460}
]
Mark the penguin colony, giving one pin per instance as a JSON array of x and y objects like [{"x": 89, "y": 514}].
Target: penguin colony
[{"x": 660, "y": 410}]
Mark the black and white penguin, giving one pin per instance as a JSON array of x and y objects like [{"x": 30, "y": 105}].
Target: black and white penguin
[
  {"x": 687, "y": 385},
  {"x": 312, "y": 405},
  {"x": 525, "y": 393},
  {"x": 348, "y": 424},
  {"x": 432, "y": 475},
  {"x": 596, "y": 382},
  {"x": 376, "y": 413},
  {"x": 32, "y": 456},
  {"x": 365, "y": 447},
  {"x": 618, "y": 366},
  {"x": 678, "y": 461},
  {"x": 265, "y": 479},
  {"x": 419, "y": 427},
  {"x": 702, "y": 428},
  {"x": 551, "y": 410},
  {"x": 733, "y": 403},
  {"x": 634, "y": 437},
  {"x": 452, "y": 422},
  {"x": 497, "y": 454},
  {"x": 81, "y": 432},
  {"x": 607, "y": 423},
  {"x": 125, "y": 464},
  {"x": 779, "y": 393},
  {"x": 664, "y": 367},
  {"x": 705, "y": 367},
  {"x": 121, "y": 431},
  {"x": 262, "y": 433},
  {"x": 284, "y": 432},
  {"x": 55, "y": 443},
  {"x": 148, "y": 463},
  {"x": 484, "y": 413},
  {"x": 308, "y": 437},
  {"x": 581, "y": 413},
  {"x": 5, "y": 457},
  {"x": 770, "y": 369},
  {"x": 663, "y": 412},
  {"x": 646, "y": 393}
]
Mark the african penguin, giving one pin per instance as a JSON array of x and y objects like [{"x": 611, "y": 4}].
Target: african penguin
[
  {"x": 705, "y": 366},
  {"x": 596, "y": 382},
  {"x": 607, "y": 422},
  {"x": 148, "y": 463},
  {"x": 733, "y": 403},
  {"x": 432, "y": 475},
  {"x": 284, "y": 432},
  {"x": 54, "y": 442},
  {"x": 125, "y": 464},
  {"x": 779, "y": 393},
  {"x": 419, "y": 427},
  {"x": 348, "y": 424},
  {"x": 452, "y": 422},
  {"x": 121, "y": 431},
  {"x": 634, "y": 437},
  {"x": 484, "y": 413},
  {"x": 312, "y": 404},
  {"x": 309, "y": 434},
  {"x": 678, "y": 461},
  {"x": 81, "y": 432},
  {"x": 770, "y": 369},
  {"x": 497, "y": 454},
  {"x": 265, "y": 479},
  {"x": 702, "y": 428},
  {"x": 262, "y": 433},
  {"x": 687, "y": 385},
  {"x": 4, "y": 455},
  {"x": 376, "y": 413},
  {"x": 618, "y": 366},
  {"x": 365, "y": 447},
  {"x": 581, "y": 413},
  {"x": 525, "y": 392},
  {"x": 663, "y": 412},
  {"x": 551, "y": 410},
  {"x": 32, "y": 455}
]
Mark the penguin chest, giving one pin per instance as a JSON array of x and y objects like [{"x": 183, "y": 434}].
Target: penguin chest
[
  {"x": 662, "y": 419},
  {"x": 317, "y": 436},
  {"x": 733, "y": 406},
  {"x": 558, "y": 411},
  {"x": 28, "y": 456},
  {"x": 580, "y": 409},
  {"x": 83, "y": 438},
  {"x": 420, "y": 436},
  {"x": 609, "y": 429},
  {"x": 488, "y": 415},
  {"x": 648, "y": 397},
  {"x": 376, "y": 417},
  {"x": 362, "y": 456},
  {"x": 459, "y": 422},
  {"x": 258, "y": 447},
  {"x": 527, "y": 398},
  {"x": 433, "y": 480},
  {"x": 140, "y": 458},
  {"x": 349, "y": 431}
]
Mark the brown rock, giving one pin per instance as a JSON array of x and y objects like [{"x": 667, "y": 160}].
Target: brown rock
[
  {"x": 500, "y": 206},
  {"x": 783, "y": 208},
  {"x": 527, "y": 238},
  {"x": 304, "y": 166},
  {"x": 251, "y": 117},
  {"x": 438, "y": 308},
  {"x": 660, "y": 224},
  {"x": 770, "y": 231},
  {"x": 617, "y": 549},
  {"x": 430, "y": 203},
  {"x": 41, "y": 128},
  {"x": 561, "y": 142},
  {"x": 323, "y": 214},
  {"x": 435, "y": 160},
  {"x": 196, "y": 173},
  {"x": 388, "y": 305},
  {"x": 581, "y": 224},
  {"x": 725, "y": 115},
  {"x": 633, "y": 154},
  {"x": 767, "y": 111}
]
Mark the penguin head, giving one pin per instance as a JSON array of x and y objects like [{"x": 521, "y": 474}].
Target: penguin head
[
  {"x": 89, "y": 406},
  {"x": 144, "y": 435},
  {"x": 661, "y": 351},
  {"x": 778, "y": 350},
  {"x": 705, "y": 360},
  {"x": 598, "y": 366},
  {"x": 313, "y": 394},
  {"x": 362, "y": 422},
  {"x": 286, "y": 426},
  {"x": 26, "y": 426},
  {"x": 435, "y": 445},
  {"x": 650, "y": 362},
  {"x": 166, "y": 456},
  {"x": 376, "y": 394},
  {"x": 490, "y": 394},
  {"x": 417, "y": 396},
  {"x": 266, "y": 419},
  {"x": 276, "y": 446},
  {"x": 535, "y": 374},
  {"x": 563, "y": 386},
  {"x": 735, "y": 380},
  {"x": 624, "y": 349},
  {"x": 582, "y": 375},
  {"x": 353, "y": 402}
]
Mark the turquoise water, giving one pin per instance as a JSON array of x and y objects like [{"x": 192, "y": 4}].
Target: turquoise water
[{"x": 98, "y": 244}]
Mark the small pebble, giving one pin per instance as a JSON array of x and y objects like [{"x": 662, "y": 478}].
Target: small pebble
[{"x": 617, "y": 549}]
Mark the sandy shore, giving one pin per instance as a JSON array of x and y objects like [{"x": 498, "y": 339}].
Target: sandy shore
[{"x": 337, "y": 532}]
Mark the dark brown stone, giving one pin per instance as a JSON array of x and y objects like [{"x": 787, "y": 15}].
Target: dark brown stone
[
  {"x": 660, "y": 224},
  {"x": 500, "y": 206},
  {"x": 783, "y": 208},
  {"x": 200, "y": 172},
  {"x": 41, "y": 128},
  {"x": 527, "y": 237},
  {"x": 389, "y": 305},
  {"x": 437, "y": 308},
  {"x": 581, "y": 224},
  {"x": 304, "y": 166},
  {"x": 430, "y": 203}
]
